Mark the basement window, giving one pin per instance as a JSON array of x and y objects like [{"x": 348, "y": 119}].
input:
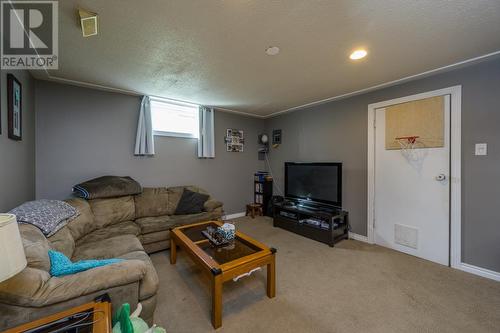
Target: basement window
[{"x": 174, "y": 119}]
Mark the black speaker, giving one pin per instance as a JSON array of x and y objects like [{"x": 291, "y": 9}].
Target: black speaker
[{"x": 269, "y": 210}]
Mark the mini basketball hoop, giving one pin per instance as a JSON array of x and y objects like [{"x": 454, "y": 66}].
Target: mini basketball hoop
[{"x": 408, "y": 144}]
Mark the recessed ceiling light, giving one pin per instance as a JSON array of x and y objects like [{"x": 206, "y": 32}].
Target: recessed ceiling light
[
  {"x": 358, "y": 54},
  {"x": 272, "y": 50}
]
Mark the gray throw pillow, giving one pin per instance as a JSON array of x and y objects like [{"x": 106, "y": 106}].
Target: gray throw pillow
[
  {"x": 191, "y": 203},
  {"x": 48, "y": 215}
]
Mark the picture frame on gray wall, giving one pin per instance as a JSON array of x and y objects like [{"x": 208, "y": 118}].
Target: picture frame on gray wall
[{"x": 14, "y": 108}]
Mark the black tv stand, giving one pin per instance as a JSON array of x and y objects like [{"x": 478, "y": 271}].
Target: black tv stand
[{"x": 323, "y": 223}]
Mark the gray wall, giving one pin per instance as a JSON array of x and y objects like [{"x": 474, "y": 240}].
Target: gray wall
[
  {"x": 17, "y": 158},
  {"x": 84, "y": 133},
  {"x": 337, "y": 131}
]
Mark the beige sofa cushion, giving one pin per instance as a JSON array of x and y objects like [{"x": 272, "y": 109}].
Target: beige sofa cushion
[
  {"x": 154, "y": 224},
  {"x": 211, "y": 204},
  {"x": 157, "y": 229},
  {"x": 149, "y": 284},
  {"x": 155, "y": 237},
  {"x": 156, "y": 247},
  {"x": 63, "y": 241},
  {"x": 35, "y": 288},
  {"x": 113, "y": 210},
  {"x": 107, "y": 248},
  {"x": 36, "y": 247},
  {"x": 175, "y": 193},
  {"x": 84, "y": 223},
  {"x": 167, "y": 222},
  {"x": 193, "y": 218},
  {"x": 151, "y": 202},
  {"x": 122, "y": 228},
  {"x": 23, "y": 288}
]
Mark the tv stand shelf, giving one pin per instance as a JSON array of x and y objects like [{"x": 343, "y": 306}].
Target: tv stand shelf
[{"x": 325, "y": 224}]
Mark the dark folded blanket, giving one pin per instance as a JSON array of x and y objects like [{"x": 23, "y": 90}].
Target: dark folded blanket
[{"x": 106, "y": 187}]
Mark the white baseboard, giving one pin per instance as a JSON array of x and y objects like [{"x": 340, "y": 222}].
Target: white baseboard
[
  {"x": 479, "y": 271},
  {"x": 358, "y": 237},
  {"x": 233, "y": 216}
]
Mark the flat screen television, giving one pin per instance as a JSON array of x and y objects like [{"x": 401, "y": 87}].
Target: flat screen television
[{"x": 316, "y": 182}]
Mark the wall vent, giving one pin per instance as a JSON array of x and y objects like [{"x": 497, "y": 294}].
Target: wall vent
[{"x": 406, "y": 236}]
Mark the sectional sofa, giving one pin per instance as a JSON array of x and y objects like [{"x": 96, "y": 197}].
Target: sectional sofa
[{"x": 128, "y": 227}]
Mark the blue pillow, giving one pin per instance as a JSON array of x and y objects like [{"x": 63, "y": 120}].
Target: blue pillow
[{"x": 60, "y": 265}]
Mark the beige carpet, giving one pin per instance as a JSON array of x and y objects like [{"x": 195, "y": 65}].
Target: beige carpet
[{"x": 354, "y": 287}]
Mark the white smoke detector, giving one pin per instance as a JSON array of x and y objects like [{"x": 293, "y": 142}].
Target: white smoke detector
[
  {"x": 272, "y": 50},
  {"x": 88, "y": 21}
]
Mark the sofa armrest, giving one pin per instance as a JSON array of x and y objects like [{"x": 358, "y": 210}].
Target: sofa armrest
[
  {"x": 35, "y": 288},
  {"x": 211, "y": 204}
]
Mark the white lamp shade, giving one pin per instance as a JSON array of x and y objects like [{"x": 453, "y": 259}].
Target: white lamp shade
[{"x": 12, "y": 257}]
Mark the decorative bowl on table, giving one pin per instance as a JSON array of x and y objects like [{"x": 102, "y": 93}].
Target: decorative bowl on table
[
  {"x": 227, "y": 230},
  {"x": 220, "y": 236}
]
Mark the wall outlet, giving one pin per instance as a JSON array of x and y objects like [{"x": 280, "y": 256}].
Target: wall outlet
[{"x": 481, "y": 149}]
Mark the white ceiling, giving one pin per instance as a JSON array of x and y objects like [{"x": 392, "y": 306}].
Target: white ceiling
[{"x": 212, "y": 52}]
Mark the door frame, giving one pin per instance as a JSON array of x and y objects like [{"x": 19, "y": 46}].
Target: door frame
[{"x": 455, "y": 93}]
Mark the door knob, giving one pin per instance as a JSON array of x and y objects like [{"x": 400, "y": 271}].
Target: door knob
[{"x": 440, "y": 177}]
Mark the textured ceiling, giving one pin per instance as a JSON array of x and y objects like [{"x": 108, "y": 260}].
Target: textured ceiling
[{"x": 211, "y": 52}]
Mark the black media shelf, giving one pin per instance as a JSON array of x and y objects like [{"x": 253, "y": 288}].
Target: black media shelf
[
  {"x": 325, "y": 224},
  {"x": 263, "y": 193}
]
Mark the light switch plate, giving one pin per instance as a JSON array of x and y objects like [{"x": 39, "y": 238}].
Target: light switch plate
[{"x": 481, "y": 149}]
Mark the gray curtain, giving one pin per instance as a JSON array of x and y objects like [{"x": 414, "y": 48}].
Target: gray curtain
[
  {"x": 144, "y": 142},
  {"x": 206, "y": 141}
]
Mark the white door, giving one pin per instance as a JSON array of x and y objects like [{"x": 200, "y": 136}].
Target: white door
[{"x": 412, "y": 195}]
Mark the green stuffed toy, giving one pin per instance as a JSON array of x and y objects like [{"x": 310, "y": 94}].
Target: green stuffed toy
[{"x": 124, "y": 322}]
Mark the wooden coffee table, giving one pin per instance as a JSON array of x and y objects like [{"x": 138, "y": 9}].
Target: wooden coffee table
[
  {"x": 223, "y": 264},
  {"x": 99, "y": 320}
]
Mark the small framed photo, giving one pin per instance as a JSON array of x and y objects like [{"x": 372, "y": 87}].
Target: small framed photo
[
  {"x": 234, "y": 140},
  {"x": 14, "y": 108}
]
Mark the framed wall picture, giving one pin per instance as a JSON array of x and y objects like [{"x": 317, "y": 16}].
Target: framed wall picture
[
  {"x": 14, "y": 108},
  {"x": 234, "y": 140}
]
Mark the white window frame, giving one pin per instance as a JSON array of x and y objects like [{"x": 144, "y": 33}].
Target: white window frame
[{"x": 175, "y": 134}]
